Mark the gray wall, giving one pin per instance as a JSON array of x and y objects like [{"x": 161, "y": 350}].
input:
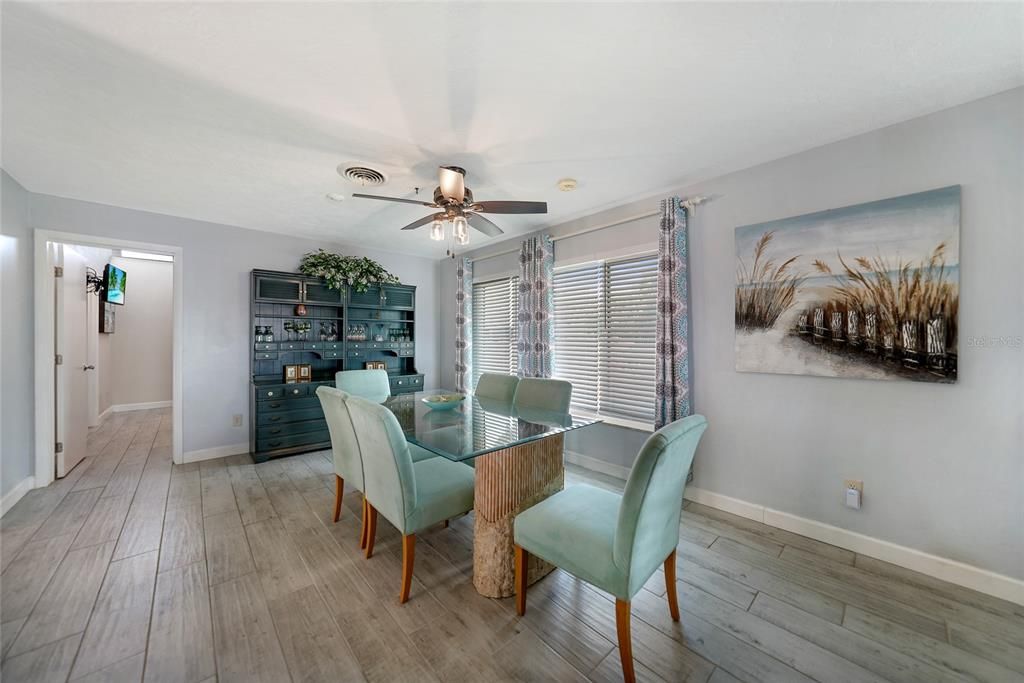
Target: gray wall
[
  {"x": 142, "y": 373},
  {"x": 216, "y": 260},
  {"x": 16, "y": 321},
  {"x": 943, "y": 466}
]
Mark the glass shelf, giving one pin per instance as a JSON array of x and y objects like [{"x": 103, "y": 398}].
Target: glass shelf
[
  {"x": 380, "y": 321},
  {"x": 300, "y": 317}
]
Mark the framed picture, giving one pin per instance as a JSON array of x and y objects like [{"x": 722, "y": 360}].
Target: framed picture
[
  {"x": 870, "y": 291},
  {"x": 376, "y": 365},
  {"x": 291, "y": 374},
  {"x": 106, "y": 318},
  {"x": 305, "y": 372}
]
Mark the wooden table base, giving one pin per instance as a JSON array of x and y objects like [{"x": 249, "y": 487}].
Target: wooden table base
[{"x": 507, "y": 482}]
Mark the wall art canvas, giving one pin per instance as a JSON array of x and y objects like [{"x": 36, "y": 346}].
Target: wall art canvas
[{"x": 870, "y": 291}]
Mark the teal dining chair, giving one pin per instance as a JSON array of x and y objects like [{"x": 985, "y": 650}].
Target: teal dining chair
[
  {"x": 348, "y": 461},
  {"x": 348, "y": 464},
  {"x": 552, "y": 395},
  {"x": 411, "y": 495},
  {"x": 616, "y": 542},
  {"x": 497, "y": 387},
  {"x": 373, "y": 385}
]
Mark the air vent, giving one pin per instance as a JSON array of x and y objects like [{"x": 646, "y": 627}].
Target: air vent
[{"x": 362, "y": 175}]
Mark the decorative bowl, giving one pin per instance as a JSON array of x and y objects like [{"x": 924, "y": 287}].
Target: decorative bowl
[{"x": 443, "y": 401}]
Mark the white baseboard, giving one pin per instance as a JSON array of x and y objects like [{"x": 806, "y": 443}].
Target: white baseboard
[
  {"x": 596, "y": 465},
  {"x": 216, "y": 452},
  {"x": 960, "y": 573},
  {"x": 104, "y": 415},
  {"x": 125, "y": 407},
  {"x": 16, "y": 494}
]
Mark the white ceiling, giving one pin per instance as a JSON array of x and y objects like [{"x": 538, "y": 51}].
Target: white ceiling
[{"x": 239, "y": 112}]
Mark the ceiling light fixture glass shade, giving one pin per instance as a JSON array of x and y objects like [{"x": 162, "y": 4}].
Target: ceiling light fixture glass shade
[
  {"x": 437, "y": 231},
  {"x": 461, "y": 228}
]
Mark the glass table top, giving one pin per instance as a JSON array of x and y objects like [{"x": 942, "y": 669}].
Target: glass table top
[{"x": 477, "y": 426}]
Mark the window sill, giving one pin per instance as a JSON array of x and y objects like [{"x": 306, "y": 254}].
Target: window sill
[{"x": 622, "y": 422}]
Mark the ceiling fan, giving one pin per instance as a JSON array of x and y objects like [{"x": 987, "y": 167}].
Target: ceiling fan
[{"x": 456, "y": 206}]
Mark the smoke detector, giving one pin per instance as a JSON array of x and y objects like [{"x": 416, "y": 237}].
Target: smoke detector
[
  {"x": 567, "y": 184},
  {"x": 362, "y": 175}
]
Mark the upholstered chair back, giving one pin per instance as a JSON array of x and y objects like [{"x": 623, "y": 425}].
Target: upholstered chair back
[
  {"x": 348, "y": 463},
  {"x": 389, "y": 483},
  {"x": 553, "y": 395},
  {"x": 373, "y": 385},
  {"x": 648, "y": 524},
  {"x": 497, "y": 387}
]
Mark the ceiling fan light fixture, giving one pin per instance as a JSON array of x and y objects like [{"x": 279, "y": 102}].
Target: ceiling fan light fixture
[
  {"x": 437, "y": 231},
  {"x": 461, "y": 229}
]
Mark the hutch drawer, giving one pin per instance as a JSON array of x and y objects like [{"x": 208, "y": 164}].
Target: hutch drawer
[
  {"x": 311, "y": 438},
  {"x": 405, "y": 383},
  {"x": 287, "y": 404},
  {"x": 290, "y": 429},
  {"x": 288, "y": 416}
]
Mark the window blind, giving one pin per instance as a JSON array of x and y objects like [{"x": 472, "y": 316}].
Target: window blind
[
  {"x": 495, "y": 309},
  {"x": 577, "y": 327},
  {"x": 605, "y": 322},
  {"x": 631, "y": 321}
]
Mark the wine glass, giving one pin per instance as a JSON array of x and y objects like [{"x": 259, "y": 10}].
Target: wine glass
[{"x": 289, "y": 328}]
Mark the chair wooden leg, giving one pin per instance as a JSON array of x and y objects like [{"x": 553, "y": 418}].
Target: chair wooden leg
[
  {"x": 371, "y": 528},
  {"x": 522, "y": 558},
  {"x": 408, "y": 559},
  {"x": 670, "y": 585},
  {"x": 625, "y": 641},
  {"x": 339, "y": 490},
  {"x": 362, "y": 525}
]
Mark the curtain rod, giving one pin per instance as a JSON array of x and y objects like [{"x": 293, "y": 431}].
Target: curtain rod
[{"x": 689, "y": 204}]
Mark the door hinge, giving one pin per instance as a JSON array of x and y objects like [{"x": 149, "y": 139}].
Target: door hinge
[
  {"x": 59, "y": 448},
  {"x": 58, "y": 271},
  {"x": 58, "y": 359}
]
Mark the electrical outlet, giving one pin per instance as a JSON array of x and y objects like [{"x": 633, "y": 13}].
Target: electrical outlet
[
  {"x": 853, "y": 490},
  {"x": 236, "y": 420}
]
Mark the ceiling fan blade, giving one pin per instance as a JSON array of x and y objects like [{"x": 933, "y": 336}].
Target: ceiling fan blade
[
  {"x": 395, "y": 199},
  {"x": 511, "y": 207},
  {"x": 453, "y": 182},
  {"x": 484, "y": 225},
  {"x": 420, "y": 223}
]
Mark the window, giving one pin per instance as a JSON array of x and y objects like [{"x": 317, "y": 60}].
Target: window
[
  {"x": 605, "y": 323},
  {"x": 495, "y": 308}
]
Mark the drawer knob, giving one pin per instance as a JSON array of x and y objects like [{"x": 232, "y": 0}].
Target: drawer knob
[
  {"x": 270, "y": 393},
  {"x": 275, "y": 418},
  {"x": 295, "y": 391},
  {"x": 275, "y": 405},
  {"x": 275, "y": 431},
  {"x": 275, "y": 444}
]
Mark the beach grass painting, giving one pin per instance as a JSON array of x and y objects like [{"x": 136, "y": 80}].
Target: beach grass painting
[{"x": 870, "y": 291}]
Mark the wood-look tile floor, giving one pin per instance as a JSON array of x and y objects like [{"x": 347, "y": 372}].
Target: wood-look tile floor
[{"x": 133, "y": 569}]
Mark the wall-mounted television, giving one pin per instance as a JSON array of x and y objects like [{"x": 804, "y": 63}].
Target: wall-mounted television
[{"x": 113, "y": 284}]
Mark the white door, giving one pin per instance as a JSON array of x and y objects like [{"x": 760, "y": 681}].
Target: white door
[{"x": 71, "y": 390}]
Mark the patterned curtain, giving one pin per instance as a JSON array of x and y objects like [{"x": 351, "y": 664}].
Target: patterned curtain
[
  {"x": 673, "y": 349},
  {"x": 536, "y": 270},
  {"x": 464, "y": 325}
]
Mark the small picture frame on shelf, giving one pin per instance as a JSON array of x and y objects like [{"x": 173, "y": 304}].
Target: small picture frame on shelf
[
  {"x": 305, "y": 372},
  {"x": 291, "y": 374},
  {"x": 375, "y": 365}
]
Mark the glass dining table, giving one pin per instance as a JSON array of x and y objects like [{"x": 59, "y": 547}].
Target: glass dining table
[{"x": 517, "y": 454}]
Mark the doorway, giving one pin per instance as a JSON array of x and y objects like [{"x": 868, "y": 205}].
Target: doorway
[{"x": 108, "y": 313}]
